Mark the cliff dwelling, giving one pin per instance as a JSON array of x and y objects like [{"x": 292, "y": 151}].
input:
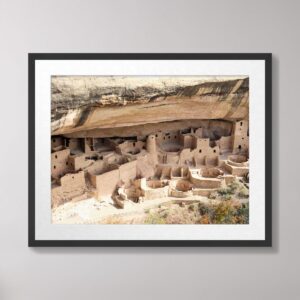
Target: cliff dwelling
[{"x": 120, "y": 144}]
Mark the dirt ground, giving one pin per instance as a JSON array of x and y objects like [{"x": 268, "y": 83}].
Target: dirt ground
[{"x": 92, "y": 211}]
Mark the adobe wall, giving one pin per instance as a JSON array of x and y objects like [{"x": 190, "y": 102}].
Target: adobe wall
[
  {"x": 202, "y": 192},
  {"x": 59, "y": 163},
  {"x": 187, "y": 141},
  {"x": 212, "y": 160},
  {"x": 166, "y": 172},
  {"x": 186, "y": 155},
  {"x": 88, "y": 145},
  {"x": 112, "y": 175},
  {"x": 176, "y": 172},
  {"x": 172, "y": 158},
  {"x": 167, "y": 137},
  {"x": 236, "y": 171},
  {"x": 107, "y": 183},
  {"x": 76, "y": 144},
  {"x": 206, "y": 183},
  {"x": 199, "y": 132},
  {"x": 79, "y": 162},
  {"x": 56, "y": 142},
  {"x": 144, "y": 166},
  {"x": 180, "y": 194},
  {"x": 158, "y": 193},
  {"x": 57, "y": 196},
  {"x": 128, "y": 171},
  {"x": 71, "y": 182},
  {"x": 97, "y": 167},
  {"x": 71, "y": 185},
  {"x": 204, "y": 154},
  {"x": 163, "y": 172},
  {"x": 131, "y": 147},
  {"x": 225, "y": 144},
  {"x": 112, "y": 157}
]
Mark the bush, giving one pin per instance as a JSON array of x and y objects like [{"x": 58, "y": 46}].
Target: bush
[
  {"x": 224, "y": 213},
  {"x": 243, "y": 193},
  {"x": 154, "y": 218},
  {"x": 226, "y": 193}
]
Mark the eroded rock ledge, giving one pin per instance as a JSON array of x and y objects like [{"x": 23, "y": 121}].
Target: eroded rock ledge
[{"x": 91, "y": 104}]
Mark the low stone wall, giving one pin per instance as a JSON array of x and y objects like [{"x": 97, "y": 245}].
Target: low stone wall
[
  {"x": 202, "y": 192},
  {"x": 180, "y": 194},
  {"x": 210, "y": 183},
  {"x": 236, "y": 171},
  {"x": 152, "y": 194}
]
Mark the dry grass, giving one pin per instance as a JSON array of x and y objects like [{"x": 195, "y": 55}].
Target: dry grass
[{"x": 227, "y": 212}]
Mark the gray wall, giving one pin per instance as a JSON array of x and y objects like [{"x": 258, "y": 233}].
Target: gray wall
[{"x": 148, "y": 26}]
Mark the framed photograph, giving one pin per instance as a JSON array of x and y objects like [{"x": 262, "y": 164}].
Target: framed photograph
[{"x": 150, "y": 150}]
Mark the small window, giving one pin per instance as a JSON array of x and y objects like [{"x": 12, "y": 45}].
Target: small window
[
  {"x": 54, "y": 167},
  {"x": 133, "y": 144},
  {"x": 241, "y": 123},
  {"x": 55, "y": 156},
  {"x": 175, "y": 136},
  {"x": 156, "y": 135},
  {"x": 240, "y": 147},
  {"x": 169, "y": 137},
  {"x": 67, "y": 163},
  {"x": 215, "y": 151},
  {"x": 72, "y": 177},
  {"x": 200, "y": 151}
]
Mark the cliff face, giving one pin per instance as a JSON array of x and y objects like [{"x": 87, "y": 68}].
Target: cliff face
[{"x": 94, "y": 103}]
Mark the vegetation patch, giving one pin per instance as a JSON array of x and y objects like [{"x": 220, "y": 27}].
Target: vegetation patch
[
  {"x": 235, "y": 190},
  {"x": 225, "y": 212}
]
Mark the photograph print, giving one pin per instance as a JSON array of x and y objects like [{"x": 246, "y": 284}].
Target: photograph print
[{"x": 150, "y": 150}]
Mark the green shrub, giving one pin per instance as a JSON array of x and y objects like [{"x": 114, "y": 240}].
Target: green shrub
[
  {"x": 243, "y": 193},
  {"x": 154, "y": 218}
]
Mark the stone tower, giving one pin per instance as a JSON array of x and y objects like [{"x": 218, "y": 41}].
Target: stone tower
[{"x": 240, "y": 137}]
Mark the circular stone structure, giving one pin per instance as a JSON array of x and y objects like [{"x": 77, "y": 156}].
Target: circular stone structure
[
  {"x": 183, "y": 185},
  {"x": 211, "y": 172},
  {"x": 238, "y": 160}
]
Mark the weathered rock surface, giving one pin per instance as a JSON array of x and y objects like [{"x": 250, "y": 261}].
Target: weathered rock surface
[{"x": 91, "y": 104}]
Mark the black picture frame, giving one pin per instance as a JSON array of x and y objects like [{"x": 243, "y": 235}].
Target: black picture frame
[{"x": 266, "y": 57}]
